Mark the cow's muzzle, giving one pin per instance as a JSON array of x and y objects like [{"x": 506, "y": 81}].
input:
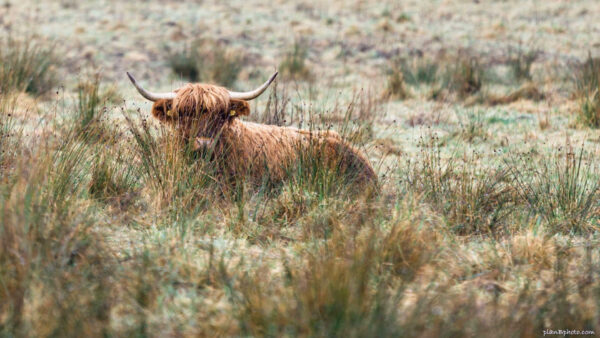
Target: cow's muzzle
[{"x": 203, "y": 143}]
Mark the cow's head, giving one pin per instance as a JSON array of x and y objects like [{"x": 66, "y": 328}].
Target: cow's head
[{"x": 200, "y": 110}]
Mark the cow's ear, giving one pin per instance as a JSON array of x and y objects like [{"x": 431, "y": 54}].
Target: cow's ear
[
  {"x": 239, "y": 107},
  {"x": 162, "y": 109}
]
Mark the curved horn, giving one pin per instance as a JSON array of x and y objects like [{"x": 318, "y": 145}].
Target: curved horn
[
  {"x": 150, "y": 95},
  {"x": 255, "y": 93}
]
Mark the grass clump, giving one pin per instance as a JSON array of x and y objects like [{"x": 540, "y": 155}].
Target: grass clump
[
  {"x": 349, "y": 283},
  {"x": 564, "y": 190},
  {"x": 113, "y": 179},
  {"x": 360, "y": 116},
  {"x": 520, "y": 61},
  {"x": 205, "y": 60},
  {"x": 88, "y": 103},
  {"x": 277, "y": 111},
  {"x": 28, "y": 65},
  {"x": 587, "y": 91},
  {"x": 464, "y": 76},
  {"x": 411, "y": 71},
  {"x": 396, "y": 85},
  {"x": 461, "y": 75},
  {"x": 180, "y": 178},
  {"x": 314, "y": 173},
  {"x": 419, "y": 70},
  {"x": 326, "y": 291},
  {"x": 473, "y": 127},
  {"x": 472, "y": 199},
  {"x": 89, "y": 121},
  {"x": 294, "y": 62},
  {"x": 47, "y": 247}
]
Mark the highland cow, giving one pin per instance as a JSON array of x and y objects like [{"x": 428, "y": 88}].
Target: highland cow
[{"x": 208, "y": 115}]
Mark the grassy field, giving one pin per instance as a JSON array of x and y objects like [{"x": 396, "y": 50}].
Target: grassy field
[{"x": 480, "y": 119}]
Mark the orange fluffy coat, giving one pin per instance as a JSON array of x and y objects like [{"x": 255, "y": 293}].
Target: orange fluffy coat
[{"x": 206, "y": 114}]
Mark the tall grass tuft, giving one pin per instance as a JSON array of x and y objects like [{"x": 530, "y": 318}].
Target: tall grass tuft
[
  {"x": 360, "y": 116},
  {"x": 55, "y": 270},
  {"x": 520, "y": 62},
  {"x": 461, "y": 74},
  {"x": 89, "y": 119},
  {"x": 314, "y": 173},
  {"x": 28, "y": 65},
  {"x": 419, "y": 70},
  {"x": 327, "y": 293},
  {"x": 208, "y": 61},
  {"x": 563, "y": 190},
  {"x": 88, "y": 104},
  {"x": 180, "y": 177},
  {"x": 349, "y": 283},
  {"x": 294, "y": 62},
  {"x": 464, "y": 76},
  {"x": 587, "y": 91},
  {"x": 473, "y": 127},
  {"x": 472, "y": 199},
  {"x": 113, "y": 179},
  {"x": 277, "y": 111},
  {"x": 396, "y": 85}
]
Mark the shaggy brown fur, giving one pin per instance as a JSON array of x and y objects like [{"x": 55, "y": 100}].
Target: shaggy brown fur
[{"x": 206, "y": 114}]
